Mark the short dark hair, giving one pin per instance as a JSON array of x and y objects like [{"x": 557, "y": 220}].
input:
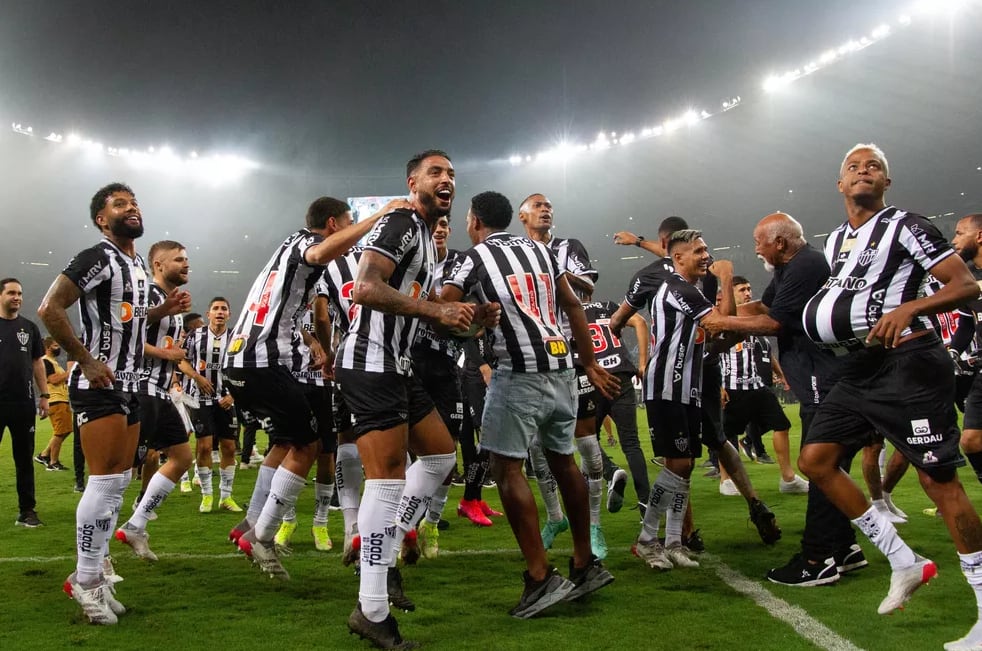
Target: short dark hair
[
  {"x": 103, "y": 194},
  {"x": 48, "y": 341},
  {"x": 740, "y": 280},
  {"x": 218, "y": 298},
  {"x": 162, "y": 245},
  {"x": 684, "y": 236},
  {"x": 416, "y": 160},
  {"x": 670, "y": 225},
  {"x": 323, "y": 209},
  {"x": 492, "y": 208},
  {"x": 976, "y": 219},
  {"x": 191, "y": 316},
  {"x": 6, "y": 281}
]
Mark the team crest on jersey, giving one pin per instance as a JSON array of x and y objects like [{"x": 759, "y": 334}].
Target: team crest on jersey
[
  {"x": 556, "y": 346},
  {"x": 866, "y": 257},
  {"x": 237, "y": 344},
  {"x": 23, "y": 337}
]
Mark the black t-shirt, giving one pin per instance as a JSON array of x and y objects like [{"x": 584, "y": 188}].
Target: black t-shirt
[{"x": 20, "y": 345}]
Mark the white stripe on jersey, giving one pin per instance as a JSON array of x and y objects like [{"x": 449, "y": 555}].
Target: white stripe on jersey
[
  {"x": 206, "y": 354},
  {"x": 739, "y": 366},
  {"x": 162, "y": 334},
  {"x": 300, "y": 355},
  {"x": 337, "y": 284},
  {"x": 674, "y": 370}
]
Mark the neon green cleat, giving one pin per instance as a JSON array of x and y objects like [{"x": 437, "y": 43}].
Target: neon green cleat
[
  {"x": 322, "y": 541},
  {"x": 207, "y": 501},
  {"x": 429, "y": 539},
  {"x": 285, "y": 534},
  {"x": 228, "y": 504}
]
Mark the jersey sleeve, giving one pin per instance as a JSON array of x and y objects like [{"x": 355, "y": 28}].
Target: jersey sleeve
[
  {"x": 37, "y": 347},
  {"x": 924, "y": 241},
  {"x": 89, "y": 268},
  {"x": 639, "y": 292},
  {"x": 392, "y": 235},
  {"x": 578, "y": 262},
  {"x": 301, "y": 247},
  {"x": 688, "y": 300},
  {"x": 463, "y": 273}
]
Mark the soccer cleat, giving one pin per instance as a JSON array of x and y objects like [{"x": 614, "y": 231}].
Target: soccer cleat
[
  {"x": 615, "y": 490},
  {"x": 28, "y": 519},
  {"x": 384, "y": 634},
  {"x": 111, "y": 601},
  {"x": 905, "y": 581},
  {"x": 43, "y": 460},
  {"x": 728, "y": 488},
  {"x": 932, "y": 512},
  {"x": 196, "y": 481},
  {"x": 245, "y": 466},
  {"x": 429, "y": 539},
  {"x": 588, "y": 579},
  {"x": 487, "y": 510},
  {"x": 458, "y": 479},
  {"x": 679, "y": 556},
  {"x": 892, "y": 517},
  {"x": 186, "y": 486},
  {"x": 138, "y": 540},
  {"x": 553, "y": 529},
  {"x": 108, "y": 571},
  {"x": 238, "y": 530},
  {"x": 263, "y": 554},
  {"x": 748, "y": 448},
  {"x": 796, "y": 486},
  {"x": 712, "y": 473},
  {"x": 694, "y": 542},
  {"x": 765, "y": 459},
  {"x": 409, "y": 554},
  {"x": 79, "y": 487},
  {"x": 150, "y": 516},
  {"x": 284, "y": 535},
  {"x": 849, "y": 558},
  {"x": 228, "y": 504},
  {"x": 92, "y": 600},
  {"x": 322, "y": 540},
  {"x": 763, "y": 518},
  {"x": 352, "y": 545},
  {"x": 652, "y": 553},
  {"x": 471, "y": 510},
  {"x": 539, "y": 595},
  {"x": 800, "y": 573},
  {"x": 207, "y": 501},
  {"x": 56, "y": 467},
  {"x": 397, "y": 598},
  {"x": 598, "y": 543},
  {"x": 893, "y": 507}
]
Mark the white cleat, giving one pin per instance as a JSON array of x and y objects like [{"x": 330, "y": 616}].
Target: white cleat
[
  {"x": 138, "y": 540},
  {"x": 904, "y": 582},
  {"x": 652, "y": 553},
  {"x": 92, "y": 600},
  {"x": 679, "y": 556}
]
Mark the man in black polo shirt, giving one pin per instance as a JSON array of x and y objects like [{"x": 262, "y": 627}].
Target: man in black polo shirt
[{"x": 20, "y": 361}]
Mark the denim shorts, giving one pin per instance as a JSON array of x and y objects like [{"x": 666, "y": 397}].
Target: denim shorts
[{"x": 520, "y": 406}]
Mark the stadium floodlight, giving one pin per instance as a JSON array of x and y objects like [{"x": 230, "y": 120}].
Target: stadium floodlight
[
  {"x": 74, "y": 139},
  {"x": 627, "y": 138},
  {"x": 880, "y": 32},
  {"x": 515, "y": 160}
]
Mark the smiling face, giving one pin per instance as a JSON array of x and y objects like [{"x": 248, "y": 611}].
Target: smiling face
[
  {"x": 441, "y": 231},
  {"x": 691, "y": 259},
  {"x": 863, "y": 178},
  {"x": 433, "y": 186},
  {"x": 121, "y": 216}
]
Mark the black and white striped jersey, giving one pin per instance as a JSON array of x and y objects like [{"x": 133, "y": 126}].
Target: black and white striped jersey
[
  {"x": 739, "y": 366},
  {"x": 426, "y": 337},
  {"x": 674, "y": 370},
  {"x": 263, "y": 335},
  {"x": 113, "y": 310},
  {"x": 300, "y": 355},
  {"x": 337, "y": 283},
  {"x": 205, "y": 352},
  {"x": 572, "y": 258},
  {"x": 158, "y": 373},
  {"x": 608, "y": 349},
  {"x": 646, "y": 282},
  {"x": 875, "y": 269},
  {"x": 521, "y": 275},
  {"x": 377, "y": 341}
]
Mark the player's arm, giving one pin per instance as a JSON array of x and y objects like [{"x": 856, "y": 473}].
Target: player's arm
[
  {"x": 41, "y": 380},
  {"x": 958, "y": 288},
  {"x": 641, "y": 331},
  {"x": 177, "y": 301},
  {"x": 778, "y": 372},
  {"x": 53, "y": 312},
  {"x": 580, "y": 284},
  {"x": 337, "y": 244},
  {"x": 53, "y": 377},
  {"x": 626, "y": 238},
  {"x": 174, "y": 354},
  {"x": 621, "y": 317},
  {"x": 203, "y": 383},
  {"x": 604, "y": 382}
]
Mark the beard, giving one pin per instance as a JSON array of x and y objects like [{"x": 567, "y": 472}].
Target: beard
[
  {"x": 768, "y": 267},
  {"x": 968, "y": 253},
  {"x": 433, "y": 211},
  {"x": 122, "y": 229}
]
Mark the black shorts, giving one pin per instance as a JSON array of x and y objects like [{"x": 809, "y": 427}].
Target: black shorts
[
  {"x": 474, "y": 390},
  {"x": 160, "y": 423},
  {"x": 380, "y": 401},
  {"x": 757, "y": 406},
  {"x": 712, "y": 410},
  {"x": 586, "y": 396},
  {"x": 212, "y": 420},
  {"x": 93, "y": 404},
  {"x": 675, "y": 429},
  {"x": 319, "y": 399},
  {"x": 906, "y": 394},
  {"x": 439, "y": 375},
  {"x": 973, "y": 404},
  {"x": 273, "y": 396},
  {"x": 341, "y": 415}
]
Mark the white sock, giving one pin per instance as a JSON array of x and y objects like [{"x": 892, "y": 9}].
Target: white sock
[
  {"x": 676, "y": 513},
  {"x": 592, "y": 467},
  {"x": 185, "y": 477},
  {"x": 437, "y": 504},
  {"x": 204, "y": 476},
  {"x": 322, "y": 503},
  {"x": 283, "y": 492},
  {"x": 662, "y": 493},
  {"x": 376, "y": 519},
  {"x": 422, "y": 480},
  {"x": 883, "y": 534},
  {"x": 93, "y": 520},
  {"x": 347, "y": 477},
  {"x": 290, "y": 515},
  {"x": 260, "y": 492},
  {"x": 547, "y": 483},
  {"x": 157, "y": 491},
  {"x": 227, "y": 479},
  {"x": 972, "y": 569}
]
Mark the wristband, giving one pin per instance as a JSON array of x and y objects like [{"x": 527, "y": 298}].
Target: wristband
[
  {"x": 44, "y": 395},
  {"x": 639, "y": 240}
]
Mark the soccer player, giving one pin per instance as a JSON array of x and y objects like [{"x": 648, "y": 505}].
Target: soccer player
[
  {"x": 112, "y": 279},
  {"x": 748, "y": 400},
  {"x": 214, "y": 413},
  {"x": 391, "y": 411},
  {"x": 21, "y": 369},
  {"x": 161, "y": 426},
  {"x": 532, "y": 392},
  {"x": 896, "y": 375},
  {"x": 257, "y": 371},
  {"x": 59, "y": 410},
  {"x": 475, "y": 375},
  {"x": 536, "y": 214}
]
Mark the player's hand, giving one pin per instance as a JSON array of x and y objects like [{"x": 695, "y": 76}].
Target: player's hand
[
  {"x": 178, "y": 301},
  {"x": 174, "y": 354},
  {"x": 608, "y": 385},
  {"x": 204, "y": 384},
  {"x": 724, "y": 397},
  {"x": 97, "y": 373},
  {"x": 625, "y": 238},
  {"x": 318, "y": 359},
  {"x": 487, "y": 314},
  {"x": 721, "y": 269},
  {"x": 43, "y": 408},
  {"x": 392, "y": 206},
  {"x": 226, "y": 402},
  {"x": 891, "y": 325},
  {"x": 454, "y": 316}
]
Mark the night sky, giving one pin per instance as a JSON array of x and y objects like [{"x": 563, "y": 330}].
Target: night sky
[{"x": 333, "y": 97}]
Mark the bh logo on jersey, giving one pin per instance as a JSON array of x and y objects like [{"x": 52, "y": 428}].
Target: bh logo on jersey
[
  {"x": 128, "y": 312},
  {"x": 557, "y": 347}
]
